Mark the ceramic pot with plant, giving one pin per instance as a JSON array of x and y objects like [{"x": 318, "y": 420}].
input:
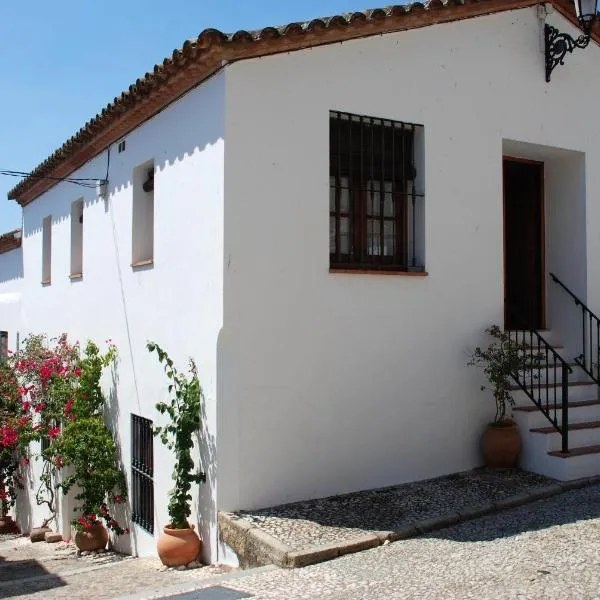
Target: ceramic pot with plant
[
  {"x": 179, "y": 544},
  {"x": 501, "y": 441}
]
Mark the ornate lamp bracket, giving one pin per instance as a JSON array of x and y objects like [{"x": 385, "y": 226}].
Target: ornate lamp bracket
[{"x": 558, "y": 44}]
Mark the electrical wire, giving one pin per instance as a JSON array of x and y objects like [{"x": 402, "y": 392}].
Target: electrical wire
[{"x": 86, "y": 182}]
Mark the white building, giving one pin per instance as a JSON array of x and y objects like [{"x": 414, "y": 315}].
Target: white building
[{"x": 326, "y": 371}]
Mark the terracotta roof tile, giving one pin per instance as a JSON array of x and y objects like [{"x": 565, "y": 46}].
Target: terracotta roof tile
[
  {"x": 10, "y": 240},
  {"x": 200, "y": 58}
]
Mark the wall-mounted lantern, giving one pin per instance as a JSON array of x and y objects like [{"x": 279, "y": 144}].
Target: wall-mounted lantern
[{"x": 558, "y": 44}]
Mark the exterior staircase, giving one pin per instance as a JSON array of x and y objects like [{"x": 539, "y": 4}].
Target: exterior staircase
[
  {"x": 542, "y": 443},
  {"x": 557, "y": 400}
]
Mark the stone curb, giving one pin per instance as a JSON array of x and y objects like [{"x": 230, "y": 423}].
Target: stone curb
[{"x": 252, "y": 544}]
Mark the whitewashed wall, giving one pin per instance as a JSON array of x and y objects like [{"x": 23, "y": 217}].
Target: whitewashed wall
[
  {"x": 337, "y": 382},
  {"x": 176, "y": 302}
]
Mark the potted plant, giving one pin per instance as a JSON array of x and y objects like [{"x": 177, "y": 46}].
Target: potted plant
[
  {"x": 88, "y": 448},
  {"x": 179, "y": 544},
  {"x": 501, "y": 441}
]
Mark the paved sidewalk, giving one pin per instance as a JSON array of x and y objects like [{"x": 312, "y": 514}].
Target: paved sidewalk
[
  {"x": 53, "y": 572},
  {"x": 341, "y": 518},
  {"x": 546, "y": 550}
]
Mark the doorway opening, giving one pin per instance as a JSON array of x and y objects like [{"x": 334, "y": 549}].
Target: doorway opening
[{"x": 524, "y": 260}]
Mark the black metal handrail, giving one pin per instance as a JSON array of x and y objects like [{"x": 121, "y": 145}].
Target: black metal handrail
[
  {"x": 547, "y": 364},
  {"x": 589, "y": 359}
]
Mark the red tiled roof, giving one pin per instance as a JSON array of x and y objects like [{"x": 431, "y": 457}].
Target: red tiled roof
[
  {"x": 199, "y": 59},
  {"x": 10, "y": 240}
]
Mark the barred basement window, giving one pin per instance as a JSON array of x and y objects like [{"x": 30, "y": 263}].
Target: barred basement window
[
  {"x": 142, "y": 472},
  {"x": 376, "y": 213}
]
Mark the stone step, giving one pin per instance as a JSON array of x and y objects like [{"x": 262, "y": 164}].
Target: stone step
[
  {"x": 574, "y": 452},
  {"x": 580, "y": 434},
  {"x": 578, "y": 390}
]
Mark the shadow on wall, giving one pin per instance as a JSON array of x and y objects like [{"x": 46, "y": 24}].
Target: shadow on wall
[
  {"x": 122, "y": 512},
  {"x": 23, "y": 515},
  {"x": 12, "y": 265},
  {"x": 167, "y": 139},
  {"x": 206, "y": 507}
]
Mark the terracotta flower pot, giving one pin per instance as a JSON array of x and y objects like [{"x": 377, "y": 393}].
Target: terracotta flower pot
[
  {"x": 178, "y": 547},
  {"x": 501, "y": 445},
  {"x": 7, "y": 525},
  {"x": 94, "y": 538}
]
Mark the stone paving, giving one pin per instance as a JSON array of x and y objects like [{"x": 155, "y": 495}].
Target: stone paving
[
  {"x": 340, "y": 518},
  {"x": 549, "y": 549},
  {"x": 55, "y": 572}
]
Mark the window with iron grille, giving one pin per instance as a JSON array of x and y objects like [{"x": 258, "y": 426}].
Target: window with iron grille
[
  {"x": 142, "y": 472},
  {"x": 375, "y": 205}
]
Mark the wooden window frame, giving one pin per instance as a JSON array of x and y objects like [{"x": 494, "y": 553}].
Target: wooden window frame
[{"x": 372, "y": 160}]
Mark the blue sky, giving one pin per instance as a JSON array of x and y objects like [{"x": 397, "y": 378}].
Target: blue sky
[{"x": 62, "y": 61}]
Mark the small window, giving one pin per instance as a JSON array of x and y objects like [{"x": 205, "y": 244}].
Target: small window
[
  {"x": 142, "y": 473},
  {"x": 3, "y": 344},
  {"x": 375, "y": 204},
  {"x": 77, "y": 239},
  {"x": 47, "y": 250},
  {"x": 143, "y": 215}
]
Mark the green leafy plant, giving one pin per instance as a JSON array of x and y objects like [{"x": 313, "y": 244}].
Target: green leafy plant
[
  {"x": 87, "y": 446},
  {"x": 501, "y": 361},
  {"x": 183, "y": 410}
]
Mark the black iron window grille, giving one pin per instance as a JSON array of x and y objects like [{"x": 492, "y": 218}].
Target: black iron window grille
[
  {"x": 375, "y": 208},
  {"x": 142, "y": 473}
]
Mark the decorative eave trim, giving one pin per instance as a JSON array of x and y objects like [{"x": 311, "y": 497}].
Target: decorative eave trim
[
  {"x": 202, "y": 58},
  {"x": 10, "y": 241}
]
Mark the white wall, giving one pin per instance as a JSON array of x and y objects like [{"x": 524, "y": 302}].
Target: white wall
[
  {"x": 176, "y": 302},
  {"x": 336, "y": 382}
]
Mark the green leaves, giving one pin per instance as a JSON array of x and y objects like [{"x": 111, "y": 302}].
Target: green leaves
[
  {"x": 502, "y": 359},
  {"x": 183, "y": 410}
]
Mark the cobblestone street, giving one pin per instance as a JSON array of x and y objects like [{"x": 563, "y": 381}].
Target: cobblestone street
[
  {"x": 546, "y": 550},
  {"x": 44, "y": 571}
]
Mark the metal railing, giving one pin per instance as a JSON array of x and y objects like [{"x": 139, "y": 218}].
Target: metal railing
[
  {"x": 589, "y": 359},
  {"x": 545, "y": 380}
]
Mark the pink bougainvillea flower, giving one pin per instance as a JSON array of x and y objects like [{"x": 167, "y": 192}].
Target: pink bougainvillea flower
[
  {"x": 45, "y": 372},
  {"x": 59, "y": 462},
  {"x": 24, "y": 421},
  {"x": 127, "y": 531},
  {"x": 119, "y": 499},
  {"x": 73, "y": 417},
  {"x": 8, "y": 436},
  {"x": 68, "y": 406},
  {"x": 39, "y": 408},
  {"x": 54, "y": 432},
  {"x": 77, "y": 372},
  {"x": 24, "y": 461}
]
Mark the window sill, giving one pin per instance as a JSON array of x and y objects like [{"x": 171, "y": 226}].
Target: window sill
[
  {"x": 378, "y": 272},
  {"x": 75, "y": 276},
  {"x": 142, "y": 263}
]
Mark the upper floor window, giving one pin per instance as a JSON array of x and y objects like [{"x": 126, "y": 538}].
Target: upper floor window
[
  {"x": 376, "y": 213},
  {"x": 76, "y": 239},
  {"x": 47, "y": 249},
  {"x": 143, "y": 215}
]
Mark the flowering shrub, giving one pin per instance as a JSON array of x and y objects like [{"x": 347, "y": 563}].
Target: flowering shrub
[
  {"x": 60, "y": 390},
  {"x": 183, "y": 410},
  {"x": 15, "y": 435}
]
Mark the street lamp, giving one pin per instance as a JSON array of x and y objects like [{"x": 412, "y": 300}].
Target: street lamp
[{"x": 558, "y": 44}]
